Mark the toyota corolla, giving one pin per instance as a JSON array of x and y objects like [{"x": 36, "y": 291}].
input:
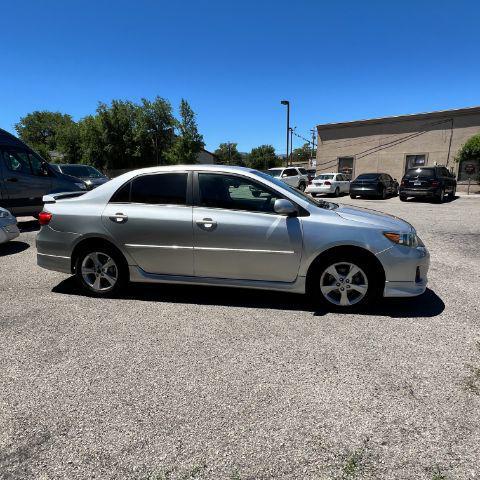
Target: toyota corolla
[{"x": 229, "y": 226}]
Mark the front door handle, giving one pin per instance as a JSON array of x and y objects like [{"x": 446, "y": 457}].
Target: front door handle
[
  {"x": 207, "y": 224},
  {"x": 118, "y": 218},
  {"x": 12, "y": 179}
]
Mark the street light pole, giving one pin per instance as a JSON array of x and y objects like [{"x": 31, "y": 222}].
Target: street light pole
[
  {"x": 291, "y": 145},
  {"x": 287, "y": 103}
]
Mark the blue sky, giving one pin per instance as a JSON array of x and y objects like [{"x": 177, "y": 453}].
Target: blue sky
[{"x": 235, "y": 61}]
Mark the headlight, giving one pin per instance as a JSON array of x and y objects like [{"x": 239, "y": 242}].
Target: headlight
[
  {"x": 5, "y": 214},
  {"x": 81, "y": 186},
  {"x": 405, "y": 239}
]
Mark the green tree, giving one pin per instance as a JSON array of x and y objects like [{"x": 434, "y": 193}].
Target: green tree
[
  {"x": 188, "y": 143},
  {"x": 302, "y": 154},
  {"x": 69, "y": 142},
  {"x": 117, "y": 124},
  {"x": 92, "y": 141},
  {"x": 154, "y": 129},
  {"x": 470, "y": 152},
  {"x": 263, "y": 158},
  {"x": 228, "y": 154},
  {"x": 39, "y": 129}
]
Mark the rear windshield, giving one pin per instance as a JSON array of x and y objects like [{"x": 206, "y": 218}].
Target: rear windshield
[
  {"x": 368, "y": 176},
  {"x": 420, "y": 172},
  {"x": 323, "y": 177}
]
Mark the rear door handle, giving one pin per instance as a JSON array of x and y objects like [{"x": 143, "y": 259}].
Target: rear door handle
[
  {"x": 207, "y": 224},
  {"x": 12, "y": 179},
  {"x": 118, "y": 218}
]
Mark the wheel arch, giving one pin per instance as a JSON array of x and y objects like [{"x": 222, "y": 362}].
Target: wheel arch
[
  {"x": 336, "y": 252},
  {"x": 90, "y": 242}
]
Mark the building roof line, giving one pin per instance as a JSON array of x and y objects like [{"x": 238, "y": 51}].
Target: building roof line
[{"x": 402, "y": 118}]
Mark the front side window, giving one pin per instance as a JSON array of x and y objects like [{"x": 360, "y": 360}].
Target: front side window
[
  {"x": 160, "y": 189},
  {"x": 38, "y": 165},
  {"x": 275, "y": 173},
  {"x": 235, "y": 193},
  {"x": 289, "y": 172}
]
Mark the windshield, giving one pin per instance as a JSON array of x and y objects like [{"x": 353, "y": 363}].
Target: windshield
[
  {"x": 323, "y": 177},
  {"x": 367, "y": 176},
  {"x": 420, "y": 172},
  {"x": 82, "y": 171},
  {"x": 275, "y": 173},
  {"x": 297, "y": 193}
]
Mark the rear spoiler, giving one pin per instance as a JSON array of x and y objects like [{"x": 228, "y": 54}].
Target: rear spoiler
[{"x": 53, "y": 197}]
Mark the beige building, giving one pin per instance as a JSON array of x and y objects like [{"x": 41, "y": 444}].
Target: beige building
[{"x": 393, "y": 144}]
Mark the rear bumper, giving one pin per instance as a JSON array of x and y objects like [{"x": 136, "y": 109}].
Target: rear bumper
[
  {"x": 54, "y": 249},
  {"x": 424, "y": 192},
  {"x": 56, "y": 263},
  {"x": 364, "y": 191},
  {"x": 320, "y": 189}
]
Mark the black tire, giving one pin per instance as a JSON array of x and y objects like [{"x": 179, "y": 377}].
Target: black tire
[
  {"x": 403, "y": 198},
  {"x": 121, "y": 271},
  {"x": 440, "y": 198},
  {"x": 383, "y": 195},
  {"x": 353, "y": 197},
  {"x": 451, "y": 195},
  {"x": 302, "y": 187},
  {"x": 375, "y": 282},
  {"x": 337, "y": 192}
]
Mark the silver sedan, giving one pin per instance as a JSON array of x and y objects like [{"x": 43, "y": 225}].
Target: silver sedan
[
  {"x": 230, "y": 226},
  {"x": 8, "y": 226}
]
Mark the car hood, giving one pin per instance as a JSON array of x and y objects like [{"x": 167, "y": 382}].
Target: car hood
[{"x": 374, "y": 218}]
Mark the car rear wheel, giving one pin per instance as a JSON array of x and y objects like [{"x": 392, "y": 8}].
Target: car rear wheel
[
  {"x": 403, "y": 198},
  {"x": 100, "y": 271},
  {"x": 353, "y": 196},
  {"x": 384, "y": 193},
  {"x": 345, "y": 283},
  {"x": 337, "y": 192},
  {"x": 302, "y": 187},
  {"x": 451, "y": 195},
  {"x": 440, "y": 198}
]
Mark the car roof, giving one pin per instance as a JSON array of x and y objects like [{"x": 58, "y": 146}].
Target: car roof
[
  {"x": 7, "y": 139},
  {"x": 330, "y": 173},
  {"x": 183, "y": 168}
]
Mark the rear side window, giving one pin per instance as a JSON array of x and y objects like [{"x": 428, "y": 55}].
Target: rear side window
[
  {"x": 160, "y": 189},
  {"x": 122, "y": 195}
]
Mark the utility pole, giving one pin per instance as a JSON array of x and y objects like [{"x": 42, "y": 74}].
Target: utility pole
[
  {"x": 291, "y": 145},
  {"x": 287, "y": 103},
  {"x": 313, "y": 143}
]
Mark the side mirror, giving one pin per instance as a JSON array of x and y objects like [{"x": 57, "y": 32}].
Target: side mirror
[
  {"x": 284, "y": 207},
  {"x": 284, "y": 175}
]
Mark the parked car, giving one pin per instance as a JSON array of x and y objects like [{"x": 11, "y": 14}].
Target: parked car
[
  {"x": 374, "y": 185},
  {"x": 202, "y": 224},
  {"x": 25, "y": 178},
  {"x": 8, "y": 226},
  {"x": 435, "y": 183},
  {"x": 291, "y": 176},
  {"x": 311, "y": 173},
  {"x": 90, "y": 175},
  {"x": 330, "y": 183}
]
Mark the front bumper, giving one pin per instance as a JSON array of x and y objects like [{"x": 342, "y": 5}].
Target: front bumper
[
  {"x": 9, "y": 232},
  {"x": 406, "y": 270}
]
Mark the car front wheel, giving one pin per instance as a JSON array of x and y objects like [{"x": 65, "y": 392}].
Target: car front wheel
[
  {"x": 345, "y": 283},
  {"x": 302, "y": 187},
  {"x": 100, "y": 271}
]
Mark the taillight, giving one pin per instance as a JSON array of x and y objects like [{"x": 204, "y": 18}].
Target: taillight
[
  {"x": 402, "y": 183},
  {"x": 44, "y": 218},
  {"x": 435, "y": 183},
  {"x": 328, "y": 183}
]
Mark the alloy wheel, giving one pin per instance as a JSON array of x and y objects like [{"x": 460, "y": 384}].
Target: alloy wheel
[
  {"x": 344, "y": 284},
  {"x": 99, "y": 271}
]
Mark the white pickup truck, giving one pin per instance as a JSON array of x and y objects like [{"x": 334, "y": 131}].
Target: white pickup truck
[{"x": 291, "y": 175}]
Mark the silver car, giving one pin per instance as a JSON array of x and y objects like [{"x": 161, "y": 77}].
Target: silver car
[{"x": 230, "y": 226}]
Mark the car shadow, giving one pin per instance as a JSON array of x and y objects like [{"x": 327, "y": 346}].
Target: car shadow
[
  {"x": 12, "y": 247},
  {"x": 28, "y": 225},
  {"x": 427, "y": 305}
]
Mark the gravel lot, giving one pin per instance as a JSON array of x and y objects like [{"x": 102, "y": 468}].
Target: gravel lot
[{"x": 209, "y": 383}]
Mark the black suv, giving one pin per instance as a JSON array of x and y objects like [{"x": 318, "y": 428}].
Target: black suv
[{"x": 435, "y": 183}]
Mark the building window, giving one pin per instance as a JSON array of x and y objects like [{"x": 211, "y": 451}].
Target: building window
[{"x": 416, "y": 160}]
